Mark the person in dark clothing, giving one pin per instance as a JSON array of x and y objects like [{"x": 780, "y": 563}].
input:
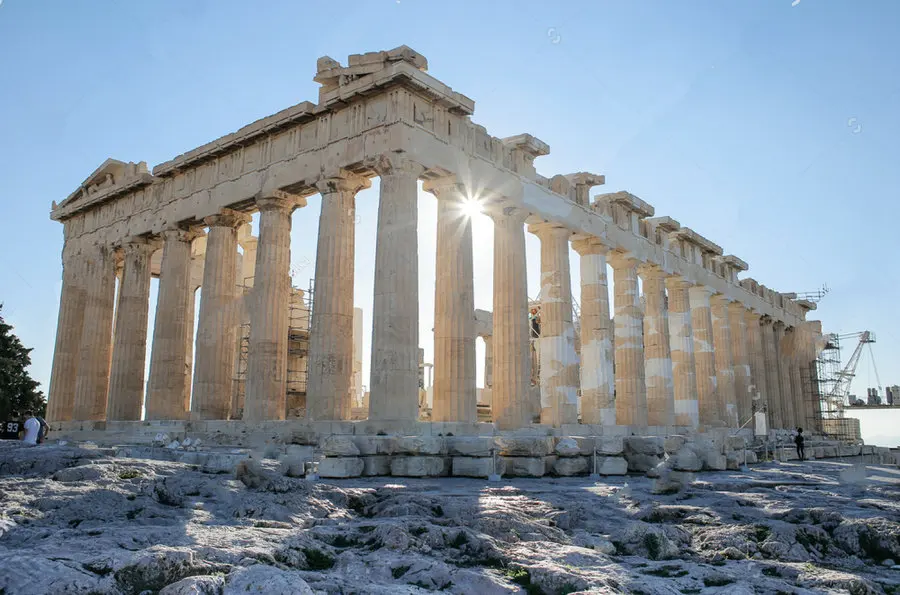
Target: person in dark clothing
[{"x": 798, "y": 440}]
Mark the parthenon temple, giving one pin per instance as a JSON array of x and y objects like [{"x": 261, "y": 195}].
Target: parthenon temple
[{"x": 685, "y": 346}]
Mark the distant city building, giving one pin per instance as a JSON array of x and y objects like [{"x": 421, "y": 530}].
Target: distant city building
[
  {"x": 893, "y": 396},
  {"x": 874, "y": 399}
]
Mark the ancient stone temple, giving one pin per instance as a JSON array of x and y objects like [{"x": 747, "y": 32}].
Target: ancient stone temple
[{"x": 684, "y": 346}]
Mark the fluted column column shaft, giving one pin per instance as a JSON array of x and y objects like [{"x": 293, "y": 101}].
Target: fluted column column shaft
[
  {"x": 92, "y": 380},
  {"x": 454, "y": 308},
  {"x": 773, "y": 378},
  {"x": 783, "y": 345},
  {"x": 269, "y": 310},
  {"x": 394, "y": 392},
  {"x": 726, "y": 400},
  {"x": 167, "y": 395},
  {"x": 219, "y": 315},
  {"x": 126, "y": 391},
  {"x": 705, "y": 357},
  {"x": 797, "y": 403},
  {"x": 511, "y": 407},
  {"x": 488, "y": 361},
  {"x": 681, "y": 343},
  {"x": 657, "y": 349},
  {"x": 598, "y": 405},
  {"x": 69, "y": 326},
  {"x": 330, "y": 378},
  {"x": 631, "y": 394},
  {"x": 741, "y": 356},
  {"x": 559, "y": 362},
  {"x": 756, "y": 348}
]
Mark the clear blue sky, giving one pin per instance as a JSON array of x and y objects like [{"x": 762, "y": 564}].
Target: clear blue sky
[{"x": 770, "y": 128}]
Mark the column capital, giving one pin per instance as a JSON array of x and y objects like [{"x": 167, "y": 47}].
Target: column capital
[
  {"x": 179, "y": 234},
  {"x": 227, "y": 218},
  {"x": 738, "y": 306},
  {"x": 622, "y": 260},
  {"x": 589, "y": 245},
  {"x": 651, "y": 270},
  {"x": 766, "y": 320},
  {"x": 343, "y": 181},
  {"x": 720, "y": 299},
  {"x": 779, "y": 325},
  {"x": 395, "y": 163},
  {"x": 549, "y": 228},
  {"x": 674, "y": 282},
  {"x": 274, "y": 200},
  {"x": 701, "y": 291},
  {"x": 150, "y": 244},
  {"x": 500, "y": 211},
  {"x": 446, "y": 188}
]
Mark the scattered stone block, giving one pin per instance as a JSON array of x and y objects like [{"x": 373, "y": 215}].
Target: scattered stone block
[
  {"x": 609, "y": 445},
  {"x": 524, "y": 446},
  {"x": 341, "y": 467},
  {"x": 648, "y": 445},
  {"x": 376, "y": 465},
  {"x": 419, "y": 466},
  {"x": 375, "y": 445},
  {"x": 476, "y": 467},
  {"x": 674, "y": 443},
  {"x": 569, "y": 466},
  {"x": 612, "y": 466},
  {"x": 524, "y": 466},
  {"x": 420, "y": 445},
  {"x": 714, "y": 461},
  {"x": 686, "y": 460},
  {"x": 567, "y": 447},
  {"x": 470, "y": 446},
  {"x": 338, "y": 446}
]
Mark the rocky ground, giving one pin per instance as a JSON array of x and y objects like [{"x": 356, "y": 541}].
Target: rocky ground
[{"x": 75, "y": 520}]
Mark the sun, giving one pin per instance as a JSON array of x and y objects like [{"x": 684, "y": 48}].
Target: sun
[{"x": 471, "y": 206}]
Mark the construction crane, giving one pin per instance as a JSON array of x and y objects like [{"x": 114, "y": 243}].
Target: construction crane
[{"x": 840, "y": 392}]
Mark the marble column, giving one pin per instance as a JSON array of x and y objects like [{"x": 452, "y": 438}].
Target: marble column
[
  {"x": 681, "y": 345},
  {"x": 330, "y": 378},
  {"x": 657, "y": 349},
  {"x": 756, "y": 349},
  {"x": 511, "y": 406},
  {"x": 797, "y": 403},
  {"x": 269, "y": 309},
  {"x": 740, "y": 353},
  {"x": 782, "y": 343},
  {"x": 773, "y": 379},
  {"x": 454, "y": 307},
  {"x": 69, "y": 326},
  {"x": 806, "y": 366},
  {"x": 727, "y": 402},
  {"x": 394, "y": 390},
  {"x": 598, "y": 401},
  {"x": 126, "y": 390},
  {"x": 219, "y": 315},
  {"x": 631, "y": 393},
  {"x": 167, "y": 394},
  {"x": 488, "y": 361},
  {"x": 705, "y": 357},
  {"x": 92, "y": 379},
  {"x": 559, "y": 362}
]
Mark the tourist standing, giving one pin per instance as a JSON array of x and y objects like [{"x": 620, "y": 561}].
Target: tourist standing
[
  {"x": 798, "y": 440},
  {"x": 32, "y": 429}
]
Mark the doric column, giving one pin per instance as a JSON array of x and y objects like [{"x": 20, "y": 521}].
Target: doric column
[
  {"x": 783, "y": 336},
  {"x": 559, "y": 362},
  {"x": 219, "y": 315},
  {"x": 704, "y": 356},
  {"x": 511, "y": 407},
  {"x": 488, "y": 361},
  {"x": 167, "y": 394},
  {"x": 329, "y": 384},
  {"x": 69, "y": 326},
  {"x": 269, "y": 308},
  {"x": 807, "y": 334},
  {"x": 740, "y": 353},
  {"x": 773, "y": 379},
  {"x": 681, "y": 343},
  {"x": 126, "y": 390},
  {"x": 797, "y": 404},
  {"x": 657, "y": 349},
  {"x": 454, "y": 307},
  {"x": 92, "y": 380},
  {"x": 756, "y": 349},
  {"x": 394, "y": 391},
  {"x": 598, "y": 402},
  {"x": 727, "y": 402},
  {"x": 631, "y": 393}
]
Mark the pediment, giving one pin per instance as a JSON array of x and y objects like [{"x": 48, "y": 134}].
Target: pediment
[{"x": 111, "y": 174}]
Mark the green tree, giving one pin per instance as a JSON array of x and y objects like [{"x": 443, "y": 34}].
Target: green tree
[{"x": 18, "y": 392}]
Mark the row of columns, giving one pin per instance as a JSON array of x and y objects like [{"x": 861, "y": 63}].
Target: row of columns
[{"x": 684, "y": 357}]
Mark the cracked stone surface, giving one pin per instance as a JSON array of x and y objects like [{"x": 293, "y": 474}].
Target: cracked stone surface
[{"x": 79, "y": 520}]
